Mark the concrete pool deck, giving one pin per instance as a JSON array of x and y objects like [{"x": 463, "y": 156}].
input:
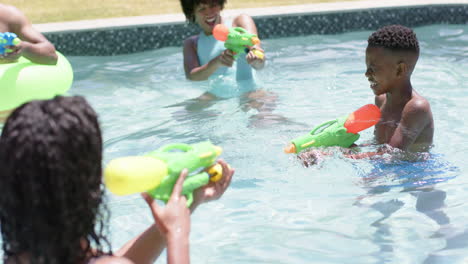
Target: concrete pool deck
[{"x": 136, "y": 34}]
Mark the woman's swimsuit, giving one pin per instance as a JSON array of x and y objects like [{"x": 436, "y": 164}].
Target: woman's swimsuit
[{"x": 225, "y": 82}]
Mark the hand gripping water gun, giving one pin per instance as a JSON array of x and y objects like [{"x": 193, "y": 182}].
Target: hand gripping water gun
[
  {"x": 236, "y": 39},
  {"x": 8, "y": 39},
  {"x": 342, "y": 132},
  {"x": 158, "y": 171}
]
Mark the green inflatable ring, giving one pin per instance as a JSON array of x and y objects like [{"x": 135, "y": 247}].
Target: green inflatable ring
[{"x": 24, "y": 81}]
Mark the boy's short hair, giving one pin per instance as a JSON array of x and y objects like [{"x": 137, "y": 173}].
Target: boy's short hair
[
  {"x": 394, "y": 37},
  {"x": 188, "y": 6}
]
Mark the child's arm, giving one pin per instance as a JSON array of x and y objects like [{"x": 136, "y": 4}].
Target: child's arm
[
  {"x": 34, "y": 46},
  {"x": 174, "y": 221},
  {"x": 248, "y": 24},
  {"x": 147, "y": 247},
  {"x": 415, "y": 118},
  {"x": 172, "y": 227},
  {"x": 193, "y": 70}
]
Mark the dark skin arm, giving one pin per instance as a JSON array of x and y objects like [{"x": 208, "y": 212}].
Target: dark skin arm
[
  {"x": 34, "y": 46},
  {"x": 196, "y": 72},
  {"x": 147, "y": 247},
  {"x": 415, "y": 117},
  {"x": 248, "y": 24}
]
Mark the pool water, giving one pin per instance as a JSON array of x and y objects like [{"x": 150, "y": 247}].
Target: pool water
[{"x": 276, "y": 210}]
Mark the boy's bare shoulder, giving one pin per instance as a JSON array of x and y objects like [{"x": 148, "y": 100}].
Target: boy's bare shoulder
[{"x": 417, "y": 104}]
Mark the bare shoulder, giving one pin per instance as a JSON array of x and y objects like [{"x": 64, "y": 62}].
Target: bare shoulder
[
  {"x": 418, "y": 105},
  {"x": 191, "y": 41},
  {"x": 112, "y": 260}
]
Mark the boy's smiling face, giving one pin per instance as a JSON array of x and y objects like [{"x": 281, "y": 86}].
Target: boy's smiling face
[
  {"x": 382, "y": 69},
  {"x": 208, "y": 16}
]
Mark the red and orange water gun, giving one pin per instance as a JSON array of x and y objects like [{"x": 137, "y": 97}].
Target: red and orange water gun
[{"x": 342, "y": 132}]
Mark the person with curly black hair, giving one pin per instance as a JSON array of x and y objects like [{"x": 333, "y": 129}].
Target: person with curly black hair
[
  {"x": 51, "y": 192},
  {"x": 406, "y": 122}
]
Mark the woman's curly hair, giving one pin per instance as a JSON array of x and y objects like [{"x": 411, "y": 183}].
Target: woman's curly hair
[
  {"x": 395, "y": 37},
  {"x": 50, "y": 182},
  {"x": 188, "y": 6}
]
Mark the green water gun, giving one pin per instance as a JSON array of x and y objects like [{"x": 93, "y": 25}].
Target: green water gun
[
  {"x": 158, "y": 171},
  {"x": 8, "y": 39},
  {"x": 341, "y": 132},
  {"x": 236, "y": 39}
]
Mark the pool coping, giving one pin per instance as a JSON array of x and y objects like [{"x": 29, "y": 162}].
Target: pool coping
[{"x": 135, "y": 34}]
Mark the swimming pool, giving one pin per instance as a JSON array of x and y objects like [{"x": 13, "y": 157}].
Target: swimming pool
[{"x": 277, "y": 211}]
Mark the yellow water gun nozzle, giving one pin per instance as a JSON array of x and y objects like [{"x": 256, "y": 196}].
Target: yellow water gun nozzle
[{"x": 218, "y": 150}]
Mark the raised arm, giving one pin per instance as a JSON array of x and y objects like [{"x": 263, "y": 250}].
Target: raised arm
[
  {"x": 172, "y": 227},
  {"x": 34, "y": 46},
  {"x": 147, "y": 247},
  {"x": 246, "y": 22}
]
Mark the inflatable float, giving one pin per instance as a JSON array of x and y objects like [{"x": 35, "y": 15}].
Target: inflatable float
[{"x": 23, "y": 81}]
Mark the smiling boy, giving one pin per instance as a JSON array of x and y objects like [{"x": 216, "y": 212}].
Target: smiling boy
[{"x": 406, "y": 121}]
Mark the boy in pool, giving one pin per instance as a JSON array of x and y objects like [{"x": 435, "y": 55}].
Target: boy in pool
[
  {"x": 34, "y": 46},
  {"x": 406, "y": 122},
  {"x": 51, "y": 192}
]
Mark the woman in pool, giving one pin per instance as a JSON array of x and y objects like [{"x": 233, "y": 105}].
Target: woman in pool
[
  {"x": 51, "y": 192},
  {"x": 206, "y": 58}
]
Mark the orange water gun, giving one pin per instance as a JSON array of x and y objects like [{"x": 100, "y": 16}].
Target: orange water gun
[
  {"x": 342, "y": 132},
  {"x": 236, "y": 39}
]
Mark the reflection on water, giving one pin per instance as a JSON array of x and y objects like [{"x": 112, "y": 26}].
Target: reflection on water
[
  {"x": 418, "y": 179},
  {"x": 277, "y": 211}
]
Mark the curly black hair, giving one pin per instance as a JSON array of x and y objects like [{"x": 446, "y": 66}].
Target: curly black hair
[
  {"x": 188, "y": 6},
  {"x": 394, "y": 37},
  {"x": 50, "y": 182}
]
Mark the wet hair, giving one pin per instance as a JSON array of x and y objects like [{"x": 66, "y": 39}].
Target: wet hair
[
  {"x": 395, "y": 38},
  {"x": 50, "y": 182},
  {"x": 188, "y": 6}
]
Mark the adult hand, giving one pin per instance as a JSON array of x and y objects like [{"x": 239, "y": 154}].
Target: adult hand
[
  {"x": 214, "y": 190},
  {"x": 256, "y": 57},
  {"x": 226, "y": 58}
]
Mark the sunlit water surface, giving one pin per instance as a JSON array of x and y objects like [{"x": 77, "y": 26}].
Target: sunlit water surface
[{"x": 277, "y": 211}]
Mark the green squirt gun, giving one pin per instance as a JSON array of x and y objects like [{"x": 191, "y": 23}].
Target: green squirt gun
[
  {"x": 236, "y": 39},
  {"x": 158, "y": 171},
  {"x": 341, "y": 132}
]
